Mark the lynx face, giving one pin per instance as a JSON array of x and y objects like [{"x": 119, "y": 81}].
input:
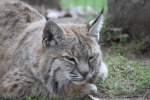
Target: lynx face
[{"x": 74, "y": 59}]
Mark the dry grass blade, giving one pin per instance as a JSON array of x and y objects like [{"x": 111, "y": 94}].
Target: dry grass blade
[{"x": 93, "y": 98}]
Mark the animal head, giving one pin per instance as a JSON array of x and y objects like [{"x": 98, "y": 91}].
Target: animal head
[{"x": 71, "y": 59}]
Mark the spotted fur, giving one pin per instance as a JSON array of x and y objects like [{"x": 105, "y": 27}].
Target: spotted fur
[{"x": 50, "y": 58}]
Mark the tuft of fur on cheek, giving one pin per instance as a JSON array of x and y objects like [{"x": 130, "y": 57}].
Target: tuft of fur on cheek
[
  {"x": 103, "y": 71},
  {"x": 62, "y": 80}
]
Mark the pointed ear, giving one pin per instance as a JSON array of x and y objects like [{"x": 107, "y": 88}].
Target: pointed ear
[
  {"x": 52, "y": 35},
  {"x": 96, "y": 26}
]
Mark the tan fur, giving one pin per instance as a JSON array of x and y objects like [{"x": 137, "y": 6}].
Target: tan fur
[{"x": 45, "y": 58}]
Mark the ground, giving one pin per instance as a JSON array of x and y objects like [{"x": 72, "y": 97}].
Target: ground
[{"x": 129, "y": 75}]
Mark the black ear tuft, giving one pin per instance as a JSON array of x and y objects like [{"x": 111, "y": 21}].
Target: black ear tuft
[
  {"x": 97, "y": 26},
  {"x": 52, "y": 34}
]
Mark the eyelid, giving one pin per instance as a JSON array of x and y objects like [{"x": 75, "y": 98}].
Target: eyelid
[
  {"x": 93, "y": 57},
  {"x": 71, "y": 59}
]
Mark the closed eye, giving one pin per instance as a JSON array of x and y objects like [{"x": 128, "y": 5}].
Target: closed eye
[
  {"x": 70, "y": 59},
  {"x": 90, "y": 58},
  {"x": 93, "y": 57}
]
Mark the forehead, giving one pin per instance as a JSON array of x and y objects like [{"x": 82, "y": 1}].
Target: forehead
[
  {"x": 72, "y": 30},
  {"x": 78, "y": 42}
]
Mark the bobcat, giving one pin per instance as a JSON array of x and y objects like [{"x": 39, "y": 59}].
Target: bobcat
[{"x": 50, "y": 57}]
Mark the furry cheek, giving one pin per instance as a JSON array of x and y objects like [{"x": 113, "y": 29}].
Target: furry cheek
[{"x": 103, "y": 71}]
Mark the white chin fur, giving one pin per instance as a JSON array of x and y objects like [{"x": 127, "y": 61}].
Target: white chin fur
[{"x": 103, "y": 71}]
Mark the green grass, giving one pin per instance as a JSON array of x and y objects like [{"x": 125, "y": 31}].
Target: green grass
[
  {"x": 40, "y": 98},
  {"x": 97, "y": 4},
  {"x": 126, "y": 77}
]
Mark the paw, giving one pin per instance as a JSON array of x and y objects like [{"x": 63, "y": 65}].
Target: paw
[
  {"x": 89, "y": 89},
  {"x": 103, "y": 71}
]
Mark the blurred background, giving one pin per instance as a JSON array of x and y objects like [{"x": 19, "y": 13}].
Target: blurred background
[
  {"x": 126, "y": 20},
  {"x": 125, "y": 40}
]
